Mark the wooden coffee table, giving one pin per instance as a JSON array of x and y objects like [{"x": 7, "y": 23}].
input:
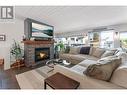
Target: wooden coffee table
[{"x": 60, "y": 81}]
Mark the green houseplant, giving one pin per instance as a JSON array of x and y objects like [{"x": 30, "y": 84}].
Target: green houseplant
[
  {"x": 16, "y": 50},
  {"x": 59, "y": 46}
]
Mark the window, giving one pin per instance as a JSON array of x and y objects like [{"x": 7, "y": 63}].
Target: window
[
  {"x": 107, "y": 39},
  {"x": 123, "y": 39},
  {"x": 94, "y": 38}
]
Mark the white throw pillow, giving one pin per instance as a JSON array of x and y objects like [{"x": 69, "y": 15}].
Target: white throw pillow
[
  {"x": 106, "y": 59},
  {"x": 122, "y": 55},
  {"x": 108, "y": 53}
]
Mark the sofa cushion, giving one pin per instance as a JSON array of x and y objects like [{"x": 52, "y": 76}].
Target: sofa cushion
[
  {"x": 73, "y": 58},
  {"x": 91, "y": 57},
  {"x": 83, "y": 57},
  {"x": 87, "y": 62},
  {"x": 78, "y": 69},
  {"x": 98, "y": 52},
  {"x": 85, "y": 50},
  {"x": 78, "y": 57},
  {"x": 103, "y": 71},
  {"x": 74, "y": 50}
]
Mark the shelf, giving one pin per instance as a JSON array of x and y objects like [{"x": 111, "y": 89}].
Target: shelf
[
  {"x": 18, "y": 64},
  {"x": 37, "y": 42}
]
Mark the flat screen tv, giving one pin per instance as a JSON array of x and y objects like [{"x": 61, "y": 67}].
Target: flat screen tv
[{"x": 39, "y": 30}]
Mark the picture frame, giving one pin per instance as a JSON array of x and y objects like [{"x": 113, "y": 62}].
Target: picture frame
[{"x": 2, "y": 37}]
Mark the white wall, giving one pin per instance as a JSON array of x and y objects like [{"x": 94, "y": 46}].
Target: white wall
[{"x": 12, "y": 30}]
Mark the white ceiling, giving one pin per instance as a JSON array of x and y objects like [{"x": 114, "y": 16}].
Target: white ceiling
[{"x": 72, "y": 18}]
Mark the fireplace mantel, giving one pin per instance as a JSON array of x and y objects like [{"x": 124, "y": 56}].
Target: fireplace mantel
[{"x": 37, "y": 42}]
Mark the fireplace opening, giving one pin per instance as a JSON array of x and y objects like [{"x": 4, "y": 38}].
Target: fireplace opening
[{"x": 42, "y": 54}]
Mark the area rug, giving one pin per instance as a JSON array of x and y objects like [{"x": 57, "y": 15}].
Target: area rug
[{"x": 33, "y": 79}]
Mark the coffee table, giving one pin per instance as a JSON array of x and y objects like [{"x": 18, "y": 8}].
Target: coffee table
[
  {"x": 60, "y": 81},
  {"x": 51, "y": 63}
]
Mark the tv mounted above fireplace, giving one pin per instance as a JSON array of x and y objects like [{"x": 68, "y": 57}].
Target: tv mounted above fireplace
[
  {"x": 38, "y": 30},
  {"x": 41, "y": 30}
]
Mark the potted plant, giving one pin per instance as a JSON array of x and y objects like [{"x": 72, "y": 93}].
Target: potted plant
[
  {"x": 16, "y": 51},
  {"x": 59, "y": 48}
]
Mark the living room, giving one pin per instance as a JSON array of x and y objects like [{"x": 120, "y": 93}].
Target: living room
[{"x": 42, "y": 41}]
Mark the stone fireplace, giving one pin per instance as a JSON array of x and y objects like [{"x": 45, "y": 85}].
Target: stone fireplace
[{"x": 38, "y": 52}]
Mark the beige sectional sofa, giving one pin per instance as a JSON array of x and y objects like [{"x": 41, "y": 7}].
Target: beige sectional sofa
[
  {"x": 117, "y": 81},
  {"x": 75, "y": 57}
]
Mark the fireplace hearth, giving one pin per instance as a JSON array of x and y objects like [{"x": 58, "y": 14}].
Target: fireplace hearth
[{"x": 42, "y": 54}]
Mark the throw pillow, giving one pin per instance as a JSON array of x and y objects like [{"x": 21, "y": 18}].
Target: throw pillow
[
  {"x": 108, "y": 53},
  {"x": 115, "y": 50},
  {"x": 85, "y": 50},
  {"x": 74, "y": 50},
  {"x": 106, "y": 59},
  {"x": 92, "y": 49},
  {"x": 103, "y": 71},
  {"x": 122, "y": 55},
  {"x": 98, "y": 52}
]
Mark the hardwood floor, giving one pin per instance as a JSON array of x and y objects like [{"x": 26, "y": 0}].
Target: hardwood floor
[{"x": 8, "y": 79}]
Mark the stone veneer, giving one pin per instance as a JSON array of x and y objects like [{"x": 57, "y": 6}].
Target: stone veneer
[{"x": 29, "y": 52}]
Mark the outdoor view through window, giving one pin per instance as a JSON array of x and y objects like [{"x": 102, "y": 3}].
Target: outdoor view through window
[{"x": 123, "y": 39}]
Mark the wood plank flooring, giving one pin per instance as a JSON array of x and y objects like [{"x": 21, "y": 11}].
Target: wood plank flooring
[{"x": 8, "y": 79}]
